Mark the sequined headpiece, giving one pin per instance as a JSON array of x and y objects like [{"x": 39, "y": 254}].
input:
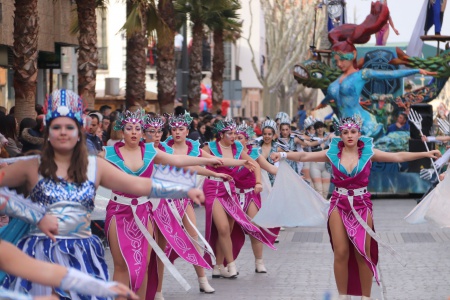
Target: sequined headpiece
[
  {"x": 270, "y": 124},
  {"x": 309, "y": 121},
  {"x": 349, "y": 123},
  {"x": 137, "y": 117},
  {"x": 183, "y": 120},
  {"x": 154, "y": 121},
  {"x": 285, "y": 120},
  {"x": 282, "y": 115},
  {"x": 225, "y": 125},
  {"x": 245, "y": 130},
  {"x": 64, "y": 103}
]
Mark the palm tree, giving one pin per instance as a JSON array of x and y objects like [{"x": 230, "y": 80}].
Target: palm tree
[
  {"x": 226, "y": 26},
  {"x": 26, "y": 29},
  {"x": 165, "y": 64},
  {"x": 143, "y": 19}
]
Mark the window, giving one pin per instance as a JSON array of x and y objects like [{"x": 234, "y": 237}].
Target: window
[{"x": 102, "y": 41}]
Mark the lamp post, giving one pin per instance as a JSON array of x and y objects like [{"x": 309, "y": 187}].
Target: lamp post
[{"x": 184, "y": 67}]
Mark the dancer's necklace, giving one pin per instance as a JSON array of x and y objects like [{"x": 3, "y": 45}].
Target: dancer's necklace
[{"x": 224, "y": 147}]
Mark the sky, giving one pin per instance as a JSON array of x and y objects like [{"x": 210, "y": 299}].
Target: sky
[{"x": 404, "y": 15}]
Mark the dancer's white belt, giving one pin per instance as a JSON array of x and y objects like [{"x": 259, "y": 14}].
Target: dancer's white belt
[
  {"x": 129, "y": 201},
  {"x": 241, "y": 193},
  {"x": 350, "y": 193},
  {"x": 216, "y": 178},
  {"x": 133, "y": 204}
]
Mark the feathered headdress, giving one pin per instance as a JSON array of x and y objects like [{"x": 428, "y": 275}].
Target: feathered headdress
[
  {"x": 225, "y": 125},
  {"x": 183, "y": 120},
  {"x": 64, "y": 103},
  {"x": 270, "y": 124},
  {"x": 137, "y": 117},
  {"x": 348, "y": 123},
  {"x": 246, "y": 130},
  {"x": 154, "y": 121}
]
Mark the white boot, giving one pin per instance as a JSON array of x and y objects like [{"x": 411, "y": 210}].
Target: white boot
[
  {"x": 232, "y": 271},
  {"x": 259, "y": 266},
  {"x": 345, "y": 297},
  {"x": 204, "y": 286},
  {"x": 159, "y": 296},
  {"x": 220, "y": 271}
]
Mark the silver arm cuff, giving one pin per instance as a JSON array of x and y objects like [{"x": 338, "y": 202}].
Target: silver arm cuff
[
  {"x": 171, "y": 184},
  {"x": 81, "y": 283},
  {"x": 17, "y": 206}
]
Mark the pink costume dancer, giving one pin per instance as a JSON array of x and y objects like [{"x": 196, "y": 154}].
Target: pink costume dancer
[
  {"x": 350, "y": 219},
  {"x": 132, "y": 215},
  {"x": 169, "y": 213},
  {"x": 245, "y": 181},
  {"x": 125, "y": 208},
  {"x": 219, "y": 192}
]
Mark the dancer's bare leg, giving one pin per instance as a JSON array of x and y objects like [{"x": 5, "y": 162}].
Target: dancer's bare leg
[
  {"x": 325, "y": 187},
  {"x": 121, "y": 273},
  {"x": 120, "y": 266},
  {"x": 365, "y": 274},
  {"x": 341, "y": 251},
  {"x": 257, "y": 246},
  {"x": 385, "y": 36},
  {"x": 223, "y": 225},
  {"x": 191, "y": 214},
  {"x": 162, "y": 242}
]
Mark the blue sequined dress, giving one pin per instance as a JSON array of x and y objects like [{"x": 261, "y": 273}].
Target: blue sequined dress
[{"x": 75, "y": 247}]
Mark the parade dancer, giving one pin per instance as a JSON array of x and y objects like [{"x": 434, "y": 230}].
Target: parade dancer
[
  {"x": 129, "y": 218},
  {"x": 63, "y": 180},
  {"x": 350, "y": 217},
  {"x": 15, "y": 262},
  {"x": 249, "y": 200},
  {"x": 319, "y": 172},
  {"x": 287, "y": 142},
  {"x": 268, "y": 145},
  {"x": 181, "y": 211},
  {"x": 222, "y": 204}
]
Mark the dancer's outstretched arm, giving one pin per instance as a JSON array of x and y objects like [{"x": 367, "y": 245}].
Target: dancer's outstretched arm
[
  {"x": 15, "y": 262},
  {"x": 382, "y": 156},
  {"x": 185, "y": 160},
  {"x": 320, "y": 156}
]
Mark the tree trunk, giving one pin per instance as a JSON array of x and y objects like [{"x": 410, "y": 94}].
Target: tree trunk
[
  {"x": 195, "y": 68},
  {"x": 26, "y": 29},
  {"x": 87, "y": 51},
  {"x": 165, "y": 63},
  {"x": 136, "y": 63},
  {"x": 217, "y": 73}
]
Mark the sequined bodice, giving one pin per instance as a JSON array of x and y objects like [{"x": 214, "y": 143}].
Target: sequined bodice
[{"x": 49, "y": 192}]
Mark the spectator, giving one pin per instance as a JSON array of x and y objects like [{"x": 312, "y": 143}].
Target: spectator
[
  {"x": 105, "y": 110},
  {"x": 11, "y": 111},
  {"x": 178, "y": 43},
  {"x": 400, "y": 125},
  {"x": 39, "y": 109},
  {"x": 94, "y": 143},
  {"x": 201, "y": 132},
  {"x": 3, "y": 110},
  {"x": 301, "y": 116},
  {"x": 115, "y": 136},
  {"x": 193, "y": 131},
  {"x": 257, "y": 126},
  {"x": 106, "y": 122},
  {"x": 9, "y": 128},
  {"x": 30, "y": 134}
]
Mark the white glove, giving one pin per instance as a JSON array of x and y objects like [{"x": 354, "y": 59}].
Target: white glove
[{"x": 426, "y": 174}]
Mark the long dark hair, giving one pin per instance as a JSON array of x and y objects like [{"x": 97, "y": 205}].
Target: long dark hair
[
  {"x": 8, "y": 127},
  {"x": 78, "y": 163}
]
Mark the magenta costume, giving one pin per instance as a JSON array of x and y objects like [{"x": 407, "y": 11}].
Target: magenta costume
[
  {"x": 168, "y": 215},
  {"x": 132, "y": 242},
  {"x": 245, "y": 181},
  {"x": 225, "y": 194},
  {"x": 349, "y": 198}
]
